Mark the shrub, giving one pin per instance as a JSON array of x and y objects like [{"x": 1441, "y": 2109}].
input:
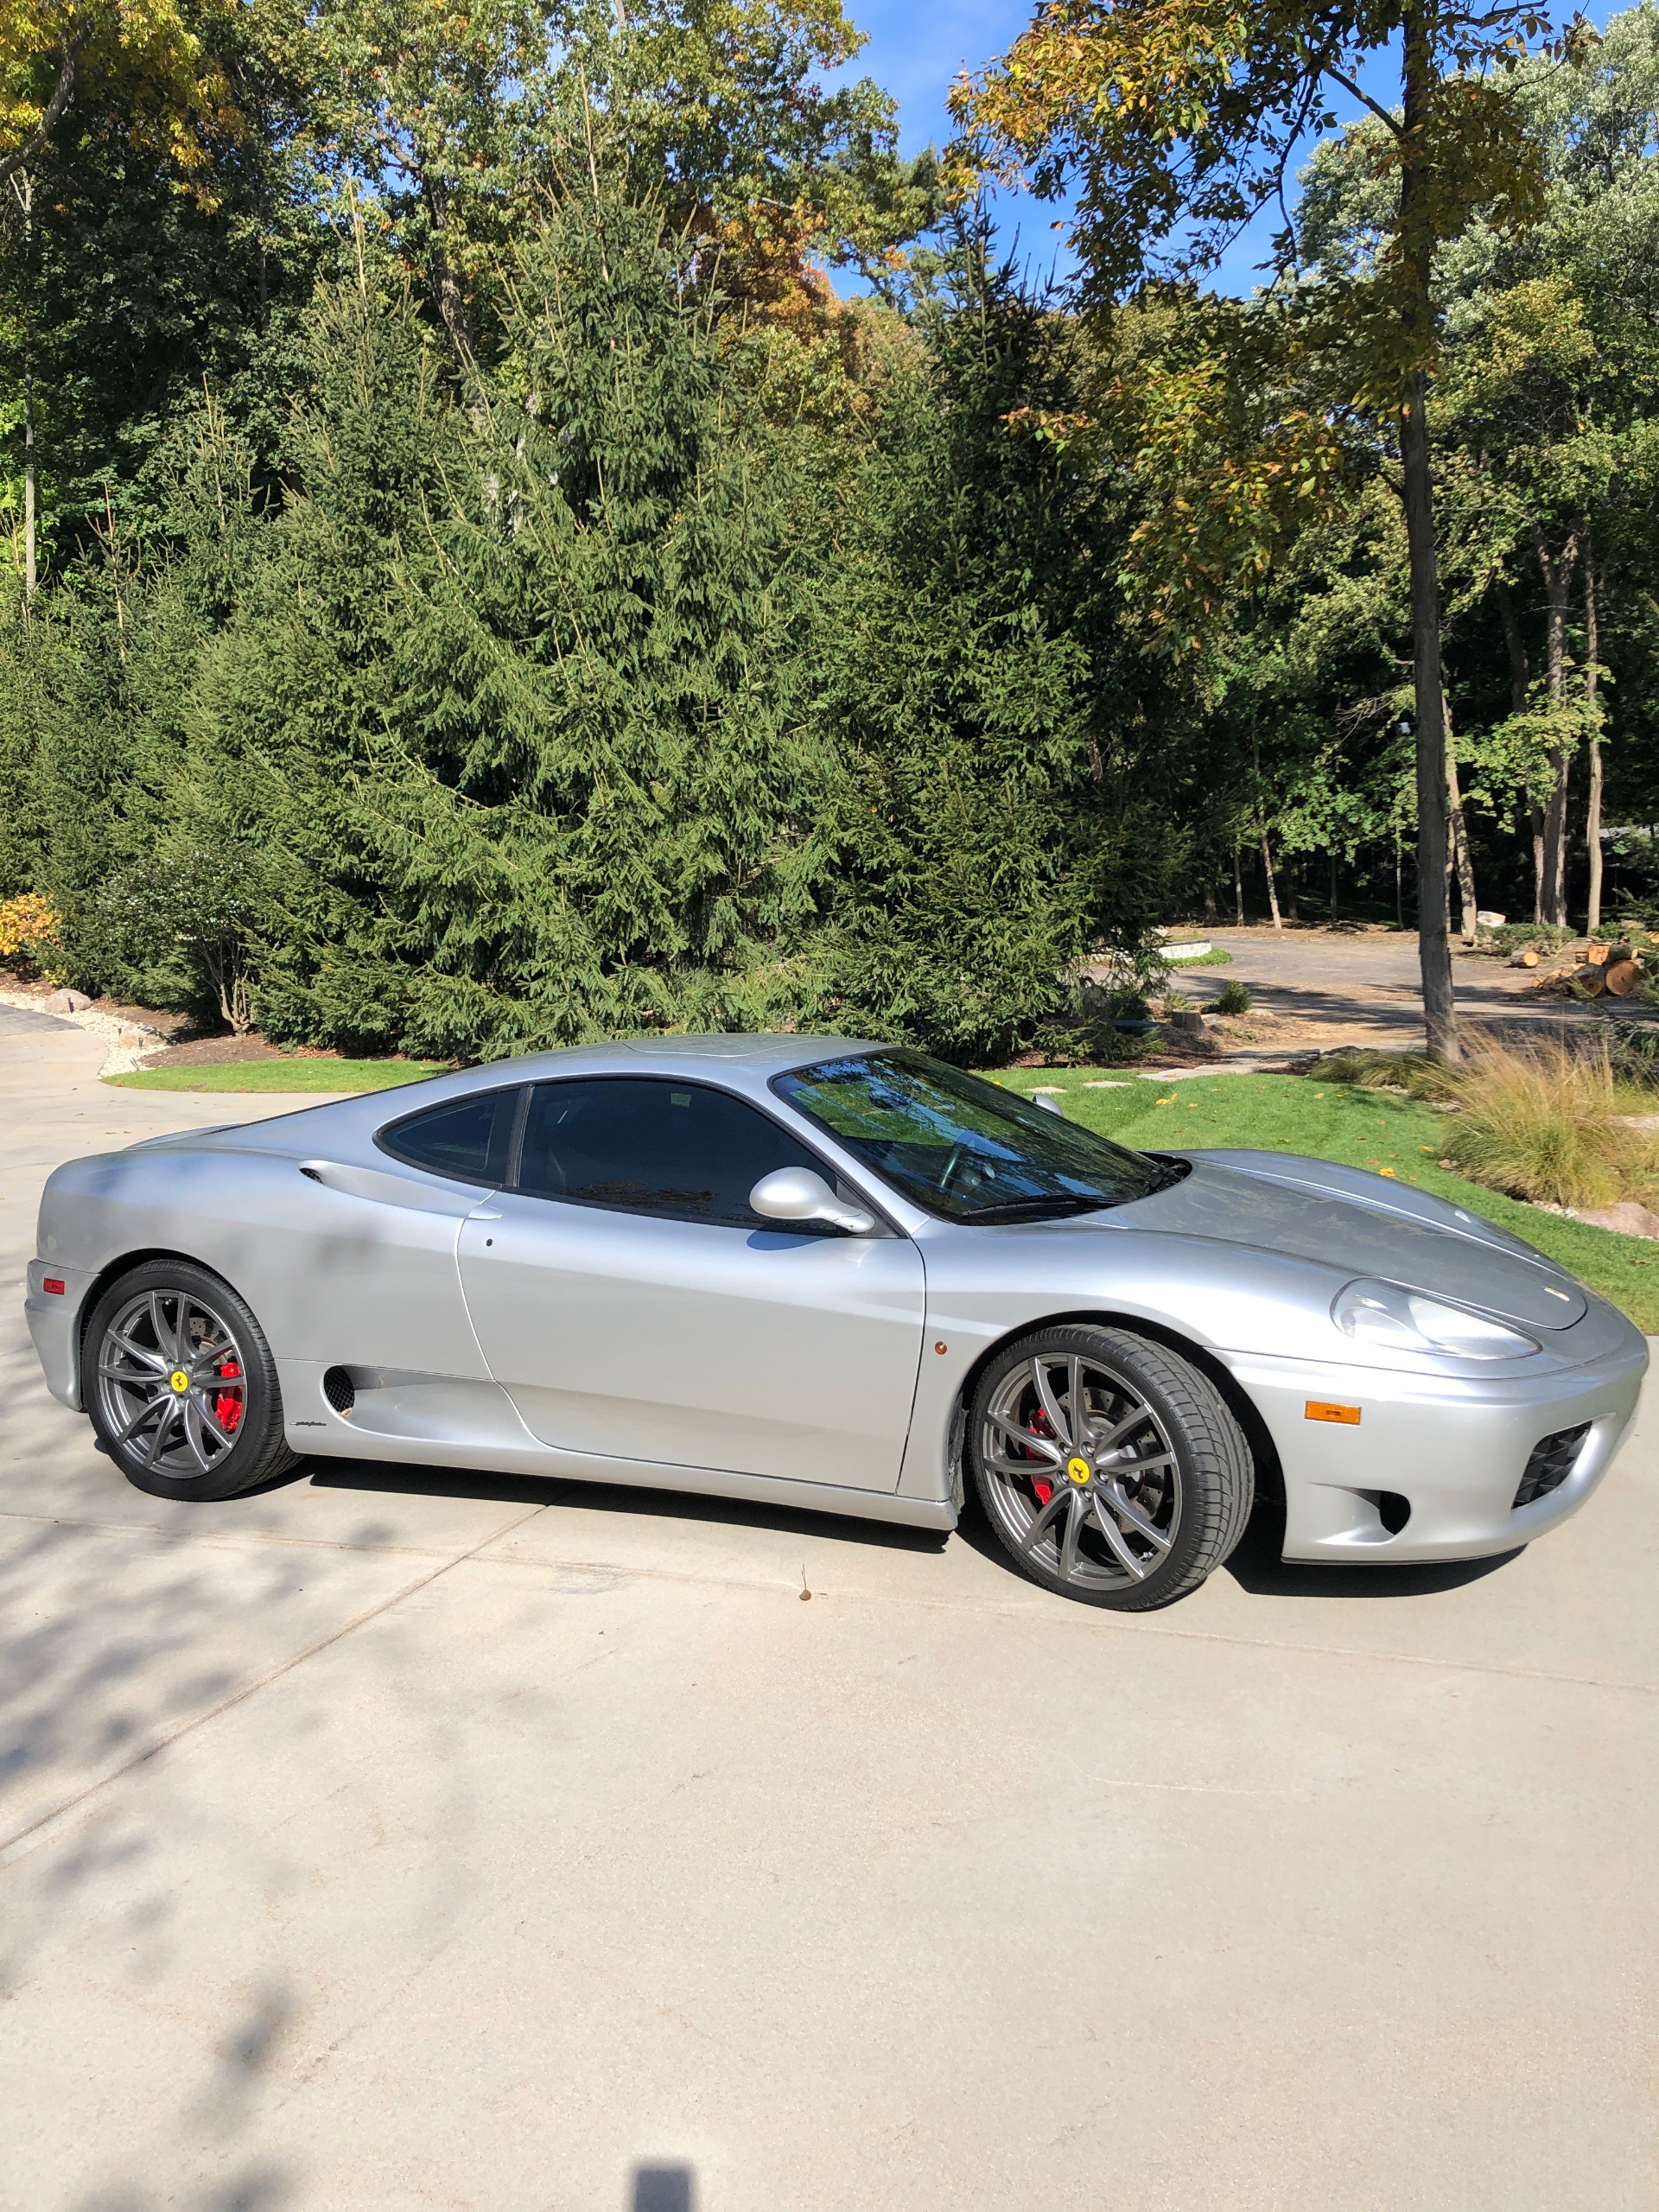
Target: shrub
[
  {"x": 1412, "y": 1072},
  {"x": 31, "y": 930},
  {"x": 1515, "y": 936},
  {"x": 1633, "y": 1050},
  {"x": 1233, "y": 997}
]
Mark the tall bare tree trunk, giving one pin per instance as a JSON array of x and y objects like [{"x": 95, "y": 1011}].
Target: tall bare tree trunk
[
  {"x": 1266, "y": 856},
  {"x": 1520, "y": 684},
  {"x": 1273, "y": 888},
  {"x": 1592, "y": 678},
  {"x": 1417, "y": 315},
  {"x": 1462, "y": 860},
  {"x": 1238, "y": 888},
  {"x": 28, "y": 463},
  {"x": 1556, "y": 570},
  {"x": 23, "y": 183}
]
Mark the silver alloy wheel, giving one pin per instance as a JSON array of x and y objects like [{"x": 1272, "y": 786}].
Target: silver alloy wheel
[
  {"x": 1084, "y": 1476},
  {"x": 172, "y": 1383}
]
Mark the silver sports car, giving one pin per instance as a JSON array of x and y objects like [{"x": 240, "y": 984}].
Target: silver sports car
[{"x": 837, "y": 1274}]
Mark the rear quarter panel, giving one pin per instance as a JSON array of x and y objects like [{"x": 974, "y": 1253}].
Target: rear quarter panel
[{"x": 330, "y": 1276}]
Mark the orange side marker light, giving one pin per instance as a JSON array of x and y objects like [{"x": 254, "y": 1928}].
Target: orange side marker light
[{"x": 1320, "y": 1409}]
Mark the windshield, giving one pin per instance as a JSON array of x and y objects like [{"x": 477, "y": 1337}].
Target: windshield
[{"x": 960, "y": 1146}]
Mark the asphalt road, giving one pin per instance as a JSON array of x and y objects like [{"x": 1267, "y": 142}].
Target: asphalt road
[
  {"x": 1369, "y": 979},
  {"x": 22, "y": 1022},
  {"x": 390, "y": 1840}
]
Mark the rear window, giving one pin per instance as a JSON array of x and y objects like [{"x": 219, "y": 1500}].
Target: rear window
[{"x": 468, "y": 1140}]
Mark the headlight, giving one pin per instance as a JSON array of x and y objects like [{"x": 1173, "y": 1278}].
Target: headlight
[{"x": 1404, "y": 1320}]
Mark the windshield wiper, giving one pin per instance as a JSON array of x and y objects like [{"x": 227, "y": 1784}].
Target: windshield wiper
[{"x": 1166, "y": 1171}]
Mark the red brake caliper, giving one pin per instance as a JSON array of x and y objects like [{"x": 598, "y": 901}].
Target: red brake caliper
[
  {"x": 228, "y": 1406},
  {"x": 1041, "y": 1426}
]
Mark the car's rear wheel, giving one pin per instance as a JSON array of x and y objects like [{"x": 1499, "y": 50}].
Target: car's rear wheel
[
  {"x": 181, "y": 1385},
  {"x": 1110, "y": 1468}
]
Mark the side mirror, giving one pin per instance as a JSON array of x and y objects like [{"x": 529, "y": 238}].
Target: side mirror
[{"x": 796, "y": 1194}]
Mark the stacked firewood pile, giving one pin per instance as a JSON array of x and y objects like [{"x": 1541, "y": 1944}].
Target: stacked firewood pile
[{"x": 1587, "y": 969}]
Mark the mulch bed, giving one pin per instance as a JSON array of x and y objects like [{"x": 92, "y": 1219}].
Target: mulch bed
[{"x": 214, "y": 1052}]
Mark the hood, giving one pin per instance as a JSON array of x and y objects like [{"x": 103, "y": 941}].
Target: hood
[{"x": 1364, "y": 1225}]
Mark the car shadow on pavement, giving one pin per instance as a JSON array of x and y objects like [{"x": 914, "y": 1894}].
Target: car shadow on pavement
[
  {"x": 1256, "y": 1566},
  {"x": 640, "y": 1504}
]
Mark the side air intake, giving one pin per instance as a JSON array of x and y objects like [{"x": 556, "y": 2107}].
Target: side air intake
[
  {"x": 1553, "y": 1460},
  {"x": 340, "y": 1390}
]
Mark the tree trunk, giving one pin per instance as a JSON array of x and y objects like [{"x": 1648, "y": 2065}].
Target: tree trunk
[
  {"x": 1273, "y": 888},
  {"x": 1238, "y": 889},
  {"x": 452, "y": 300},
  {"x": 1557, "y": 572},
  {"x": 1417, "y": 242},
  {"x": 1333, "y": 885},
  {"x": 1463, "y": 861},
  {"x": 28, "y": 460},
  {"x": 1592, "y": 808},
  {"x": 24, "y": 184},
  {"x": 1520, "y": 684}
]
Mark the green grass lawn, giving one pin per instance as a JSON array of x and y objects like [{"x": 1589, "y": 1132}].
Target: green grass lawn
[
  {"x": 282, "y": 1075},
  {"x": 1362, "y": 1129}
]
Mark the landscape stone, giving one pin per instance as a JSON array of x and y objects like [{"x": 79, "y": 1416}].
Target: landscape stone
[{"x": 1630, "y": 1217}]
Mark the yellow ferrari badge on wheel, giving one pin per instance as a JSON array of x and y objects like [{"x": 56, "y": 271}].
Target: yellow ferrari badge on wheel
[
  {"x": 179, "y": 1381},
  {"x": 1078, "y": 1469}
]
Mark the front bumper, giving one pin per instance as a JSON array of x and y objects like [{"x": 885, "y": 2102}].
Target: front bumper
[
  {"x": 1454, "y": 1448},
  {"x": 54, "y": 1323}
]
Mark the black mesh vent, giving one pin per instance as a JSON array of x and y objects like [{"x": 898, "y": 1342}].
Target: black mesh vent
[
  {"x": 340, "y": 1389},
  {"x": 1553, "y": 1460}
]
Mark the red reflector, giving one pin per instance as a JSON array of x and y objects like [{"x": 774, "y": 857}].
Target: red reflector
[{"x": 53, "y": 1286}]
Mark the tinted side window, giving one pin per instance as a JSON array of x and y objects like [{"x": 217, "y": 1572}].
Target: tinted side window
[
  {"x": 468, "y": 1139},
  {"x": 647, "y": 1145}
]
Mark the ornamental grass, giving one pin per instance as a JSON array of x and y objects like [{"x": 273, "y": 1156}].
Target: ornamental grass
[{"x": 1549, "y": 1120}]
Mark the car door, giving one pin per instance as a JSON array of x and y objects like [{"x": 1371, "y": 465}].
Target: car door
[{"x": 633, "y": 1305}]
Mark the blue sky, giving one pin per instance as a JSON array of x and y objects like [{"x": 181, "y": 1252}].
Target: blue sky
[{"x": 915, "y": 50}]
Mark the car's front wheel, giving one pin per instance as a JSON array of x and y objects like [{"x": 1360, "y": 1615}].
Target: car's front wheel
[
  {"x": 1110, "y": 1468},
  {"x": 181, "y": 1385}
]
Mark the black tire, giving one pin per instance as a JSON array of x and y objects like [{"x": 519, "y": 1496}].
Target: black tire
[
  {"x": 1133, "y": 1526},
  {"x": 214, "y": 1434}
]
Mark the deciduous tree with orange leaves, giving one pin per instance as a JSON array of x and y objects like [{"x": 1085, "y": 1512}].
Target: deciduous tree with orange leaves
[{"x": 1173, "y": 123}]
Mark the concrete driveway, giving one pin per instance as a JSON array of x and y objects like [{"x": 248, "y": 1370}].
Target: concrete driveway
[{"x": 387, "y": 1840}]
